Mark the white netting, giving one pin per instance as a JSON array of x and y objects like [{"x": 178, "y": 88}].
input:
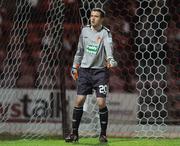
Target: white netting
[
  {"x": 144, "y": 88},
  {"x": 47, "y": 69},
  {"x": 139, "y": 33},
  {"x": 12, "y": 61},
  {"x": 151, "y": 70},
  {"x": 37, "y": 104}
]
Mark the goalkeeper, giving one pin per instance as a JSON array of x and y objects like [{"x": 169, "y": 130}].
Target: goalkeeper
[{"x": 93, "y": 58}]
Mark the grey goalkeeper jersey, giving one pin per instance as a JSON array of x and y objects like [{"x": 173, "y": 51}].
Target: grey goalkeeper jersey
[{"x": 94, "y": 48}]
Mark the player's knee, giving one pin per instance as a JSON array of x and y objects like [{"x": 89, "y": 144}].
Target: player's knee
[
  {"x": 101, "y": 106},
  {"x": 80, "y": 99},
  {"x": 79, "y": 104},
  {"x": 101, "y": 102}
]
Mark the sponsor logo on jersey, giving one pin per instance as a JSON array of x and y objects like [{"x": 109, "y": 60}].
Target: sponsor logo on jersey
[{"x": 92, "y": 48}]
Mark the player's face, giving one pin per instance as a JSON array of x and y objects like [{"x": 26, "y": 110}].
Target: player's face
[{"x": 96, "y": 19}]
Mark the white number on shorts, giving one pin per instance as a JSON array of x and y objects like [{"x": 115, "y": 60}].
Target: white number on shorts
[{"x": 103, "y": 89}]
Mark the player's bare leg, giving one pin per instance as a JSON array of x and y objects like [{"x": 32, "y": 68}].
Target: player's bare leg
[
  {"x": 103, "y": 114},
  {"x": 77, "y": 114}
]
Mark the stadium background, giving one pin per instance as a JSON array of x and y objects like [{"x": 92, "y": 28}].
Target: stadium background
[{"x": 136, "y": 44}]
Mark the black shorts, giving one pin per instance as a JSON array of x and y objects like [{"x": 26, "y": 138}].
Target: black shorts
[{"x": 90, "y": 79}]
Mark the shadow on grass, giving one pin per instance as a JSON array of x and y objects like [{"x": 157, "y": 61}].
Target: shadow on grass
[
  {"x": 9, "y": 137},
  {"x": 90, "y": 144},
  {"x": 114, "y": 140},
  {"x": 111, "y": 141}
]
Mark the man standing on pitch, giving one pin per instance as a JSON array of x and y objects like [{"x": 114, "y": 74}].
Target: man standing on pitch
[{"x": 93, "y": 58}]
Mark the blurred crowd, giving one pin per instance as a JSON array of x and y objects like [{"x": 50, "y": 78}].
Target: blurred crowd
[{"x": 121, "y": 19}]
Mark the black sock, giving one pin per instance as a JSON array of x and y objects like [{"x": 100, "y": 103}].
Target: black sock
[
  {"x": 103, "y": 114},
  {"x": 77, "y": 114}
]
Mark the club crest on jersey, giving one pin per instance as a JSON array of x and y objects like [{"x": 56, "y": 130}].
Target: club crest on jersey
[{"x": 98, "y": 39}]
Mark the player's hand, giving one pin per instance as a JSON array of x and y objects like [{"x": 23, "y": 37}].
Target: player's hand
[
  {"x": 74, "y": 72},
  {"x": 111, "y": 63}
]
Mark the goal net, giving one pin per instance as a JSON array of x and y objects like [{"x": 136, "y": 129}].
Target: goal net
[
  {"x": 30, "y": 69},
  {"x": 38, "y": 40},
  {"x": 139, "y": 98}
]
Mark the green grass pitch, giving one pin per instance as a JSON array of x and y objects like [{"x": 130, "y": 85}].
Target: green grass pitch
[{"x": 93, "y": 142}]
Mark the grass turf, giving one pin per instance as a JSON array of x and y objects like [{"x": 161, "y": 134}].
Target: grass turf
[{"x": 93, "y": 142}]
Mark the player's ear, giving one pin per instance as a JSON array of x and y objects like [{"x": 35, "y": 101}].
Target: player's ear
[{"x": 102, "y": 19}]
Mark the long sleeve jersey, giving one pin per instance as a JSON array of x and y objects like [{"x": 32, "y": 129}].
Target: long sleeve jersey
[{"x": 94, "y": 48}]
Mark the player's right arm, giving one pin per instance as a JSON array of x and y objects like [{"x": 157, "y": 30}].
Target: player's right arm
[
  {"x": 80, "y": 51},
  {"x": 77, "y": 58}
]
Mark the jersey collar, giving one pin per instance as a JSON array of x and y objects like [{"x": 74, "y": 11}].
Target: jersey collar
[{"x": 101, "y": 27}]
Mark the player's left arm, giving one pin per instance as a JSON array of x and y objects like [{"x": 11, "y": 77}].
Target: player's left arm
[{"x": 108, "y": 43}]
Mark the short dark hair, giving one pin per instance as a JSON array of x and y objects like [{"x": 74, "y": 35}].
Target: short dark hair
[{"x": 99, "y": 10}]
